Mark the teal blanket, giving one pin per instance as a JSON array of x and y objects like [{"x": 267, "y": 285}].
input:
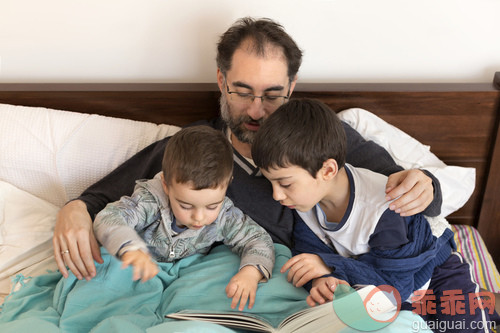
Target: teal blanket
[{"x": 112, "y": 302}]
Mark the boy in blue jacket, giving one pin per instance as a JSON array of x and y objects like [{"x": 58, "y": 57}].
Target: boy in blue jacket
[{"x": 346, "y": 233}]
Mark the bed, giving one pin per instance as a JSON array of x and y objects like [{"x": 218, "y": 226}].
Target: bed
[{"x": 56, "y": 139}]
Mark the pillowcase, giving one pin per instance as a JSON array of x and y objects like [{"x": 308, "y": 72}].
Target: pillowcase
[
  {"x": 26, "y": 227},
  {"x": 457, "y": 183},
  {"x": 56, "y": 155}
]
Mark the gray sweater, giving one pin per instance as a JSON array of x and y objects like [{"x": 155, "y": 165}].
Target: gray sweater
[{"x": 144, "y": 220}]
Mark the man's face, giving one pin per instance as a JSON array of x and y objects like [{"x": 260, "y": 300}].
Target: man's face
[{"x": 255, "y": 75}]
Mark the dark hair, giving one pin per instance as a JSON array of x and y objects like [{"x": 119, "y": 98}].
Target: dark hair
[
  {"x": 198, "y": 154},
  {"x": 302, "y": 132},
  {"x": 262, "y": 33}
]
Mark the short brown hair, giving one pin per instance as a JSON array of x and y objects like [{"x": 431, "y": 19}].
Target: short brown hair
[
  {"x": 199, "y": 155},
  {"x": 302, "y": 132},
  {"x": 262, "y": 33}
]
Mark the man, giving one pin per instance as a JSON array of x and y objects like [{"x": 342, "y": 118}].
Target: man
[{"x": 257, "y": 71}]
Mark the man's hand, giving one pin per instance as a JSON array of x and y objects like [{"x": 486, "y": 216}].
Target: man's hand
[
  {"x": 303, "y": 268},
  {"x": 323, "y": 289},
  {"x": 74, "y": 241},
  {"x": 243, "y": 286},
  {"x": 144, "y": 268},
  {"x": 414, "y": 189}
]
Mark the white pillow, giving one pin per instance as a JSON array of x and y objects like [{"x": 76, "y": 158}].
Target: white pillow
[
  {"x": 26, "y": 226},
  {"x": 457, "y": 183},
  {"x": 55, "y": 155}
]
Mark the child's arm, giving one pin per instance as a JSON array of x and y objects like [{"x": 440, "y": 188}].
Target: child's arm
[
  {"x": 305, "y": 267},
  {"x": 115, "y": 226},
  {"x": 256, "y": 249},
  {"x": 246, "y": 238},
  {"x": 400, "y": 267},
  {"x": 347, "y": 269},
  {"x": 323, "y": 290},
  {"x": 243, "y": 286},
  {"x": 144, "y": 267}
]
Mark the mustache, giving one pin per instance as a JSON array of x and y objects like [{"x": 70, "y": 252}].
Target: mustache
[
  {"x": 236, "y": 122},
  {"x": 250, "y": 120}
]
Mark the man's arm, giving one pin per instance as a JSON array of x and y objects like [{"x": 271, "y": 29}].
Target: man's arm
[
  {"x": 73, "y": 230},
  {"x": 417, "y": 190}
]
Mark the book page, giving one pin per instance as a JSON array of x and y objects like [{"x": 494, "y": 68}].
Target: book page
[
  {"x": 317, "y": 319},
  {"x": 321, "y": 318},
  {"x": 368, "y": 302},
  {"x": 231, "y": 319}
]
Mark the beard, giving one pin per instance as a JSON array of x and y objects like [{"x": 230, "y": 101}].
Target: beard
[{"x": 237, "y": 123}]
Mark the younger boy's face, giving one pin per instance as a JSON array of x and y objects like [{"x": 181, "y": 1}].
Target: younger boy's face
[
  {"x": 294, "y": 187},
  {"x": 194, "y": 209}
]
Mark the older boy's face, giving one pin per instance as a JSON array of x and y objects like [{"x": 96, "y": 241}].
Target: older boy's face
[
  {"x": 255, "y": 75},
  {"x": 294, "y": 187},
  {"x": 194, "y": 209}
]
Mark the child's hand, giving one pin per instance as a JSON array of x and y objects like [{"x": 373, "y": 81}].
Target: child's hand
[
  {"x": 323, "y": 289},
  {"x": 304, "y": 267},
  {"x": 144, "y": 268},
  {"x": 243, "y": 286}
]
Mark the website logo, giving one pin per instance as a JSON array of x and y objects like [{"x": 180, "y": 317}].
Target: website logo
[{"x": 369, "y": 308}]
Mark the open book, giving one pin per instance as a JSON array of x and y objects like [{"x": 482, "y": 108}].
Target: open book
[{"x": 318, "y": 319}]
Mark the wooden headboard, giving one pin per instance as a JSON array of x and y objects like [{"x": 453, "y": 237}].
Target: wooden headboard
[{"x": 459, "y": 121}]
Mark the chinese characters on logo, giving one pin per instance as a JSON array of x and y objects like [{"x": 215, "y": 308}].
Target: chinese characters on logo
[{"x": 452, "y": 302}]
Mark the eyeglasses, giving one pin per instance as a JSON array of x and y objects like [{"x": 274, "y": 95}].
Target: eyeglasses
[{"x": 273, "y": 101}]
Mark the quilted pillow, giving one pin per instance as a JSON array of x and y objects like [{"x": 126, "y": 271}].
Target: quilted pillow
[
  {"x": 26, "y": 226},
  {"x": 457, "y": 183},
  {"x": 55, "y": 155}
]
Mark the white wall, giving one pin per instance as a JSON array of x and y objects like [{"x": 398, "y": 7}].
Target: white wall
[{"x": 174, "y": 40}]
